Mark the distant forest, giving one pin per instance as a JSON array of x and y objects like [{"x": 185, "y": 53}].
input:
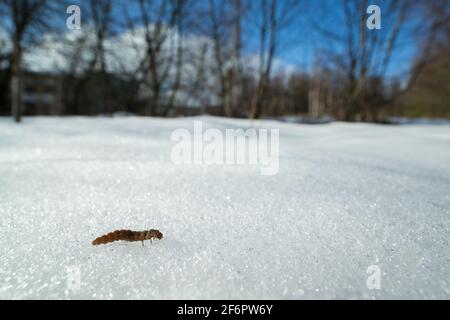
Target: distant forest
[{"x": 230, "y": 58}]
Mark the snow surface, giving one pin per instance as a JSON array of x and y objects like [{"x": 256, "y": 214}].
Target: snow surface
[{"x": 347, "y": 196}]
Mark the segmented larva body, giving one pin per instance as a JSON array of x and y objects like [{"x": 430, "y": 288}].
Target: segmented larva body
[{"x": 128, "y": 235}]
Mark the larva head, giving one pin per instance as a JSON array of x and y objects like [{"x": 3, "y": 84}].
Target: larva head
[{"x": 156, "y": 234}]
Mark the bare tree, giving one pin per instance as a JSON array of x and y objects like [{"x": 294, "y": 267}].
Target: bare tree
[
  {"x": 28, "y": 18},
  {"x": 427, "y": 90},
  {"x": 223, "y": 26},
  {"x": 86, "y": 59},
  {"x": 433, "y": 29},
  {"x": 273, "y": 17},
  {"x": 101, "y": 16},
  {"x": 162, "y": 22},
  {"x": 5, "y": 59},
  {"x": 239, "y": 8},
  {"x": 360, "y": 55}
]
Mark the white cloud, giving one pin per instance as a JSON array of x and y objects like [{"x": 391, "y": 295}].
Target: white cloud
[
  {"x": 73, "y": 51},
  {"x": 279, "y": 66}
]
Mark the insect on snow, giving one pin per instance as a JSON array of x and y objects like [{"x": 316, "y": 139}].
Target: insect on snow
[{"x": 128, "y": 235}]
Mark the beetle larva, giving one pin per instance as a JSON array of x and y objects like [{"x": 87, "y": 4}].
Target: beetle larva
[{"x": 128, "y": 235}]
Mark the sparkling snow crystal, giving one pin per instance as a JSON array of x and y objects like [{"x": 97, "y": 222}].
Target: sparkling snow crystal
[{"x": 356, "y": 211}]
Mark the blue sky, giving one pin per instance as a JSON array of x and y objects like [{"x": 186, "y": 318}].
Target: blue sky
[
  {"x": 302, "y": 42},
  {"x": 299, "y": 43}
]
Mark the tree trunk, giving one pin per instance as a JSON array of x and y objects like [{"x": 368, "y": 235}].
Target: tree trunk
[
  {"x": 258, "y": 100},
  {"x": 16, "y": 101}
]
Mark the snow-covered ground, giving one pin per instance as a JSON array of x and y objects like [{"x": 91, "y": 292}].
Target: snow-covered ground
[{"x": 347, "y": 197}]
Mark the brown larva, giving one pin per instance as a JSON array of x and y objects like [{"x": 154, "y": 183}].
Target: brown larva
[{"x": 128, "y": 235}]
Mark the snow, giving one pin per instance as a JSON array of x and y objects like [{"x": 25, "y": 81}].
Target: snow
[{"x": 347, "y": 197}]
